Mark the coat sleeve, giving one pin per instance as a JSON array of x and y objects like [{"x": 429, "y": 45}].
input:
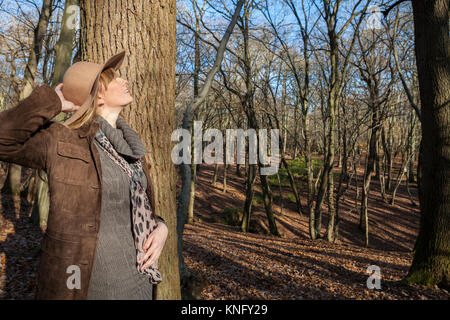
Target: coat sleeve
[{"x": 23, "y": 140}]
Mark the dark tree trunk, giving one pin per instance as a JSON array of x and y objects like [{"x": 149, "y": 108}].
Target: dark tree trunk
[{"x": 431, "y": 263}]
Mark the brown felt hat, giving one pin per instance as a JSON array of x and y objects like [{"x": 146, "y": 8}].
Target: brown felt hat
[{"x": 80, "y": 82}]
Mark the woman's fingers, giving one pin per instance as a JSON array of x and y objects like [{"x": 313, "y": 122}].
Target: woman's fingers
[
  {"x": 148, "y": 242},
  {"x": 58, "y": 91},
  {"x": 58, "y": 88},
  {"x": 149, "y": 253},
  {"x": 67, "y": 106},
  {"x": 145, "y": 257},
  {"x": 153, "y": 246},
  {"x": 154, "y": 256},
  {"x": 148, "y": 263}
]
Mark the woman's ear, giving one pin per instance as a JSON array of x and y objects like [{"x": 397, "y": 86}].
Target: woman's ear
[
  {"x": 100, "y": 100},
  {"x": 100, "y": 96}
]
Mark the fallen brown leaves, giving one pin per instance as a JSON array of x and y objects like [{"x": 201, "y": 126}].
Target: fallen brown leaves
[
  {"x": 252, "y": 266},
  {"x": 249, "y": 266},
  {"x": 19, "y": 244}
]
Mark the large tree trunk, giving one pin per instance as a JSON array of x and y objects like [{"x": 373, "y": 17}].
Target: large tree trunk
[
  {"x": 147, "y": 31},
  {"x": 431, "y": 263}
]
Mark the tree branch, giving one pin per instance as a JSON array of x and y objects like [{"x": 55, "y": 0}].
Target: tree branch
[{"x": 386, "y": 12}]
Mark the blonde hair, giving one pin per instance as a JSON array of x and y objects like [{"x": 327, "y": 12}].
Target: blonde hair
[{"x": 106, "y": 77}]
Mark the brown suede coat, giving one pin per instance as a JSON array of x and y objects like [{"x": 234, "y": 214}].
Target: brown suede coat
[{"x": 72, "y": 163}]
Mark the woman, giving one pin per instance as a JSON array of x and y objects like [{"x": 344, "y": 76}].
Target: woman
[{"x": 96, "y": 172}]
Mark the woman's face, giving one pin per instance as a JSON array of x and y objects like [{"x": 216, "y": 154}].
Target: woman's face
[{"x": 117, "y": 94}]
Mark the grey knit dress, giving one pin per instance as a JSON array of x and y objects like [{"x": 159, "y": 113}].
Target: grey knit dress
[{"x": 114, "y": 275}]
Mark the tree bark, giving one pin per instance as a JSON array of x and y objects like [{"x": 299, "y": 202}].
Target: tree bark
[
  {"x": 147, "y": 31},
  {"x": 431, "y": 263}
]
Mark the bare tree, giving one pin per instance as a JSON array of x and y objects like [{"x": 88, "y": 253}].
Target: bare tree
[
  {"x": 34, "y": 56},
  {"x": 335, "y": 82}
]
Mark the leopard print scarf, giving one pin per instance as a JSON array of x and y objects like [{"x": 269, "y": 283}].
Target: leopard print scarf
[{"x": 144, "y": 221}]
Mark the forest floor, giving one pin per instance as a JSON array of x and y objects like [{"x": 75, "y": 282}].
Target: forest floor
[{"x": 237, "y": 265}]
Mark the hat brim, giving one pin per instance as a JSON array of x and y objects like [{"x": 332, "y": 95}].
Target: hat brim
[{"x": 114, "y": 62}]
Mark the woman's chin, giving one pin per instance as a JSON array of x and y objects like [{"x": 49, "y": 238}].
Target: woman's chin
[{"x": 127, "y": 102}]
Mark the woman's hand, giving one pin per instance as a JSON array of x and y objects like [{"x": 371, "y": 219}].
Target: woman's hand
[
  {"x": 67, "y": 106},
  {"x": 154, "y": 245}
]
